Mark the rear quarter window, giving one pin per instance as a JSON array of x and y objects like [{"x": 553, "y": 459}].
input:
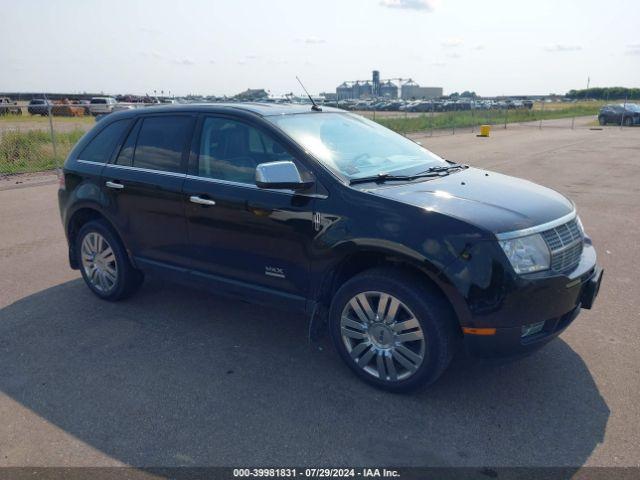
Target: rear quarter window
[
  {"x": 101, "y": 147},
  {"x": 125, "y": 157}
]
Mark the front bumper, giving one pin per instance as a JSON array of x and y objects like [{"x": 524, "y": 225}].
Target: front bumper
[
  {"x": 508, "y": 341},
  {"x": 493, "y": 303}
]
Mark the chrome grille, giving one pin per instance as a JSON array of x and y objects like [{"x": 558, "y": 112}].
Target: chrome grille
[{"x": 565, "y": 243}]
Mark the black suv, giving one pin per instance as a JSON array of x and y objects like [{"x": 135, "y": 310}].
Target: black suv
[
  {"x": 622, "y": 114},
  {"x": 404, "y": 254}
]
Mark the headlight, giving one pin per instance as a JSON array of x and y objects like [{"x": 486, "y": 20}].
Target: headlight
[{"x": 527, "y": 254}]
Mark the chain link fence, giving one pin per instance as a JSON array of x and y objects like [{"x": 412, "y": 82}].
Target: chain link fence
[
  {"x": 433, "y": 120},
  {"x": 38, "y": 137}
]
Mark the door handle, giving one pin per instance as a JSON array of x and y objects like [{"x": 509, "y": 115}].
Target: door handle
[
  {"x": 116, "y": 185},
  {"x": 201, "y": 201}
]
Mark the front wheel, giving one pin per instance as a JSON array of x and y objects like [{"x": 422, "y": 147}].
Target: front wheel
[
  {"x": 392, "y": 330},
  {"x": 602, "y": 120},
  {"x": 104, "y": 263}
]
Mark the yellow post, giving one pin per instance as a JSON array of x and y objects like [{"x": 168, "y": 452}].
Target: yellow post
[{"x": 484, "y": 130}]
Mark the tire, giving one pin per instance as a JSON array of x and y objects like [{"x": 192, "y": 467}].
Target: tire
[
  {"x": 396, "y": 352},
  {"x": 602, "y": 120},
  {"x": 628, "y": 121},
  {"x": 111, "y": 276}
]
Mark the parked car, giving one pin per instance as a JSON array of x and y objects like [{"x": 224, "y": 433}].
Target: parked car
[
  {"x": 39, "y": 106},
  {"x": 326, "y": 213},
  {"x": 102, "y": 105},
  {"x": 7, "y": 106},
  {"x": 620, "y": 114},
  {"x": 421, "y": 106}
]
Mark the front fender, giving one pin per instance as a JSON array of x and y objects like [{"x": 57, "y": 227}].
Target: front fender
[{"x": 370, "y": 252}]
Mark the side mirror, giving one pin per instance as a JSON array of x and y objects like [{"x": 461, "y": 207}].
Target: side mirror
[{"x": 280, "y": 175}]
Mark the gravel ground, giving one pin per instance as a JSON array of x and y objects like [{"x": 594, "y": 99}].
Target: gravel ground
[{"x": 178, "y": 377}]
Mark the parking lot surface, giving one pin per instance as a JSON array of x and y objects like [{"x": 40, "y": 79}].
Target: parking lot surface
[{"x": 175, "y": 376}]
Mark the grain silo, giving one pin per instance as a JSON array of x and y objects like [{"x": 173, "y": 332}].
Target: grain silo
[
  {"x": 389, "y": 90},
  {"x": 344, "y": 91}
]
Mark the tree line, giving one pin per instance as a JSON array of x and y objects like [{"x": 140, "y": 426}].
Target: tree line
[{"x": 605, "y": 93}]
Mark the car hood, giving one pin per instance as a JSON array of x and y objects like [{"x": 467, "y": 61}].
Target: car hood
[{"x": 489, "y": 200}]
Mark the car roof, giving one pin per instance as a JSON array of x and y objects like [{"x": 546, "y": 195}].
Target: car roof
[{"x": 261, "y": 109}]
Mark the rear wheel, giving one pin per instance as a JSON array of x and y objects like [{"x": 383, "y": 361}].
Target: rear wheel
[
  {"x": 628, "y": 121},
  {"x": 392, "y": 330},
  {"x": 104, "y": 263}
]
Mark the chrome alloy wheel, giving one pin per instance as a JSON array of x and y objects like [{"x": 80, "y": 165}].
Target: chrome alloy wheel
[
  {"x": 382, "y": 336},
  {"x": 99, "y": 262}
]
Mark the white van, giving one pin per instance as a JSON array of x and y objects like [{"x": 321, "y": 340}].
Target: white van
[{"x": 102, "y": 105}]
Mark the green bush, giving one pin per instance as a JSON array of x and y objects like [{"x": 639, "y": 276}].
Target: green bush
[
  {"x": 32, "y": 151},
  {"x": 605, "y": 93}
]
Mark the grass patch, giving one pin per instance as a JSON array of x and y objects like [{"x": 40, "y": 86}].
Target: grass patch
[
  {"x": 484, "y": 117},
  {"x": 39, "y": 119},
  {"x": 32, "y": 151}
]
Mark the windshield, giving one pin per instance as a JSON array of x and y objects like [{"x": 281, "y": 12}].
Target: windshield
[{"x": 354, "y": 146}]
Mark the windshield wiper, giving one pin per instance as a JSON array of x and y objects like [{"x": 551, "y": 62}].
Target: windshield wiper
[
  {"x": 382, "y": 177},
  {"x": 439, "y": 171}
]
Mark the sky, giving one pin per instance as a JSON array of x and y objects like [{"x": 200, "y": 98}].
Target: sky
[{"x": 220, "y": 47}]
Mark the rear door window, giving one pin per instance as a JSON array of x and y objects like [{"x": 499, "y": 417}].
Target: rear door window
[
  {"x": 161, "y": 143},
  {"x": 101, "y": 147}
]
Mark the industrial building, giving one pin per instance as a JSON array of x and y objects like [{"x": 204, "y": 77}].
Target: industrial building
[
  {"x": 411, "y": 90},
  {"x": 376, "y": 88}
]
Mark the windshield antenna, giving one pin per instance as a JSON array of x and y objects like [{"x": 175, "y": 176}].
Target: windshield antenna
[{"x": 315, "y": 107}]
